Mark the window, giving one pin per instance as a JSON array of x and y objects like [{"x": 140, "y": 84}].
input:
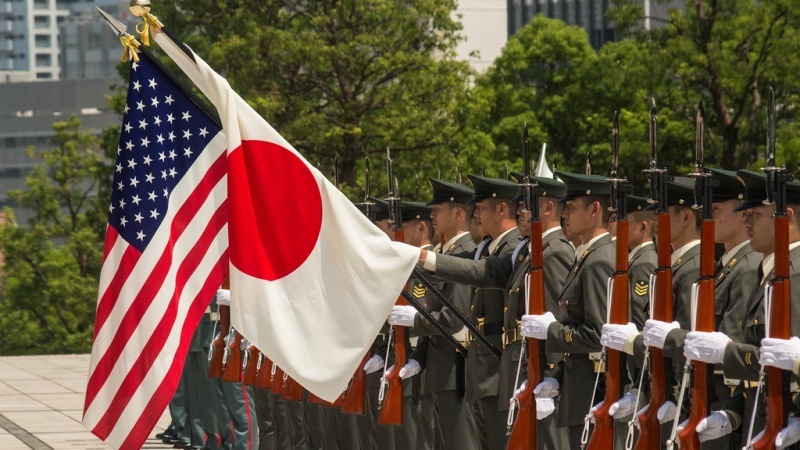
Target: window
[
  {"x": 41, "y": 4},
  {"x": 44, "y": 76},
  {"x": 43, "y": 41},
  {"x": 40, "y": 22},
  {"x": 44, "y": 60}
]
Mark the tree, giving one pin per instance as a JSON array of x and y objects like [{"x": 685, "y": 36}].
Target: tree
[
  {"x": 52, "y": 265},
  {"x": 340, "y": 78}
]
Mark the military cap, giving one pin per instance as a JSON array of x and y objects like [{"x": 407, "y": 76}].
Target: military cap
[
  {"x": 755, "y": 184},
  {"x": 550, "y": 186},
  {"x": 680, "y": 192},
  {"x": 635, "y": 203},
  {"x": 793, "y": 192},
  {"x": 727, "y": 186},
  {"x": 486, "y": 187},
  {"x": 381, "y": 208},
  {"x": 578, "y": 185},
  {"x": 444, "y": 191},
  {"x": 415, "y": 211}
]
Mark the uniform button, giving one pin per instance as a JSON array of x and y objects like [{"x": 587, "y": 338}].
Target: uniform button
[
  {"x": 505, "y": 309},
  {"x": 517, "y": 289},
  {"x": 471, "y": 307},
  {"x": 510, "y": 291},
  {"x": 755, "y": 322},
  {"x": 566, "y": 302}
]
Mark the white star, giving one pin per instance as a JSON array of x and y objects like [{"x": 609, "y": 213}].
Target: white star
[
  {"x": 138, "y": 218},
  {"x": 154, "y": 102},
  {"x": 187, "y": 152},
  {"x": 140, "y": 235},
  {"x": 119, "y": 167},
  {"x": 153, "y": 83},
  {"x": 145, "y": 142},
  {"x": 134, "y": 183},
  {"x": 137, "y": 85},
  {"x": 164, "y": 174},
  {"x": 170, "y": 119},
  {"x": 169, "y": 100},
  {"x": 136, "y": 200},
  {"x": 186, "y": 116},
  {"x": 203, "y": 132},
  {"x": 161, "y": 156},
  {"x": 122, "y": 203},
  {"x": 119, "y": 186},
  {"x": 154, "y": 214},
  {"x": 140, "y": 105},
  {"x": 129, "y": 145},
  {"x": 111, "y": 208},
  {"x": 160, "y": 138},
  {"x": 132, "y": 164},
  {"x": 187, "y": 134},
  {"x": 157, "y": 120},
  {"x": 173, "y": 172},
  {"x": 143, "y": 124},
  {"x": 151, "y": 196},
  {"x": 135, "y": 66},
  {"x": 119, "y": 150},
  {"x": 128, "y": 127},
  {"x": 123, "y": 221},
  {"x": 127, "y": 109},
  {"x": 171, "y": 136},
  {"x": 147, "y": 159},
  {"x": 149, "y": 177},
  {"x": 166, "y": 193},
  {"x": 172, "y": 154}
]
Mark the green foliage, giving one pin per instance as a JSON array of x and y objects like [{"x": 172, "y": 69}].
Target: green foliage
[{"x": 52, "y": 265}]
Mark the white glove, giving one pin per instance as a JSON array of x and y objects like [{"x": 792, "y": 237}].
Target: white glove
[
  {"x": 535, "y": 326},
  {"x": 789, "y": 435},
  {"x": 592, "y": 411},
  {"x": 521, "y": 388},
  {"x": 780, "y": 353},
  {"x": 655, "y": 332},
  {"x": 623, "y": 407},
  {"x": 224, "y": 297},
  {"x": 639, "y": 413},
  {"x": 411, "y": 368},
  {"x": 716, "y": 425},
  {"x": 544, "y": 407},
  {"x": 615, "y": 336},
  {"x": 705, "y": 347},
  {"x": 373, "y": 364},
  {"x": 547, "y": 388},
  {"x": 666, "y": 412},
  {"x": 402, "y": 316}
]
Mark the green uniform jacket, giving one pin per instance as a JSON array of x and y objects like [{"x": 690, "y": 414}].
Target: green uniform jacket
[
  {"x": 581, "y": 315},
  {"x": 641, "y": 266}
]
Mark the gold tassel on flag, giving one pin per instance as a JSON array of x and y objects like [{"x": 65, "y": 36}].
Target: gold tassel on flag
[
  {"x": 141, "y": 8},
  {"x": 129, "y": 48}
]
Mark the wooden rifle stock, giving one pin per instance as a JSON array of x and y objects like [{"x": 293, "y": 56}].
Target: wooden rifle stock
[
  {"x": 263, "y": 372},
  {"x": 249, "y": 365},
  {"x": 278, "y": 382},
  {"x": 292, "y": 390},
  {"x": 218, "y": 344},
  {"x": 392, "y": 407},
  {"x": 603, "y": 433},
  {"x": 524, "y": 435},
  {"x": 705, "y": 321},
  {"x": 232, "y": 364},
  {"x": 355, "y": 399},
  {"x": 650, "y": 433},
  {"x": 778, "y": 398}
]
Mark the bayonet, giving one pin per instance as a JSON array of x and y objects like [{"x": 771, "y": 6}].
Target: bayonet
[
  {"x": 614, "y": 179},
  {"x": 702, "y": 184},
  {"x": 588, "y": 169},
  {"x": 119, "y": 28},
  {"x": 416, "y": 187},
  {"x": 772, "y": 168},
  {"x": 369, "y": 205},
  {"x": 506, "y": 171},
  {"x": 336, "y": 171}
]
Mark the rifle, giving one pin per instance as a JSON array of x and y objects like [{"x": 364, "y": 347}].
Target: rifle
[
  {"x": 263, "y": 372},
  {"x": 661, "y": 309},
  {"x": 250, "y": 359},
  {"x": 278, "y": 381},
  {"x": 705, "y": 319},
  {"x": 524, "y": 434},
  {"x": 232, "y": 357},
  {"x": 392, "y": 410},
  {"x": 217, "y": 347},
  {"x": 779, "y": 319},
  {"x": 292, "y": 390},
  {"x": 603, "y": 434}
]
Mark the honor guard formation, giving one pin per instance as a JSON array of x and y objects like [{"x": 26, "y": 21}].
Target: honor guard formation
[{"x": 554, "y": 311}]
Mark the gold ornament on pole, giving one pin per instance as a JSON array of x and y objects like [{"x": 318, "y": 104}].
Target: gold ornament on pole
[{"x": 141, "y": 8}]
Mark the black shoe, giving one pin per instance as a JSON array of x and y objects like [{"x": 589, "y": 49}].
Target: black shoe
[{"x": 166, "y": 434}]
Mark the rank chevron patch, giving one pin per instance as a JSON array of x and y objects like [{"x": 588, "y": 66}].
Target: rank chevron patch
[
  {"x": 641, "y": 288},
  {"x": 419, "y": 291}
]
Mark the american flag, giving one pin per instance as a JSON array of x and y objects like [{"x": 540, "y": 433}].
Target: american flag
[{"x": 166, "y": 253}]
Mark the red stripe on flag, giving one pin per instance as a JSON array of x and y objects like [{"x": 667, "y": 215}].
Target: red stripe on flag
[
  {"x": 155, "y": 344},
  {"x": 154, "y": 281},
  {"x": 126, "y": 265}
]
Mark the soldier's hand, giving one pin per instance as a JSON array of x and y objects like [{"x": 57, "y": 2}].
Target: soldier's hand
[
  {"x": 666, "y": 412},
  {"x": 521, "y": 388},
  {"x": 373, "y": 364},
  {"x": 716, "y": 425},
  {"x": 624, "y": 406},
  {"x": 636, "y": 422},
  {"x": 789, "y": 435},
  {"x": 402, "y": 316},
  {"x": 544, "y": 407},
  {"x": 706, "y": 347},
  {"x": 547, "y": 388},
  {"x": 655, "y": 332},
  {"x": 411, "y": 368},
  {"x": 780, "y": 353},
  {"x": 535, "y": 326},
  {"x": 615, "y": 336}
]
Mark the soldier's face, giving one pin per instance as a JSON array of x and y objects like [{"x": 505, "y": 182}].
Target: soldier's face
[
  {"x": 727, "y": 222},
  {"x": 523, "y": 219},
  {"x": 413, "y": 234},
  {"x": 442, "y": 217},
  {"x": 761, "y": 228},
  {"x": 577, "y": 218},
  {"x": 488, "y": 218},
  {"x": 386, "y": 227}
]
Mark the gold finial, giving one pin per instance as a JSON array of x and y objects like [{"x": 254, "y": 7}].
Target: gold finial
[{"x": 141, "y": 8}]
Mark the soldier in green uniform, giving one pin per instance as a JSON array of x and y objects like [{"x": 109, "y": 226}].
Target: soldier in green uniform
[
  {"x": 574, "y": 331},
  {"x": 434, "y": 355},
  {"x": 740, "y": 360}
]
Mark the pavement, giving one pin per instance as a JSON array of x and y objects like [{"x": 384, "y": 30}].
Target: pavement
[{"x": 41, "y": 403}]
